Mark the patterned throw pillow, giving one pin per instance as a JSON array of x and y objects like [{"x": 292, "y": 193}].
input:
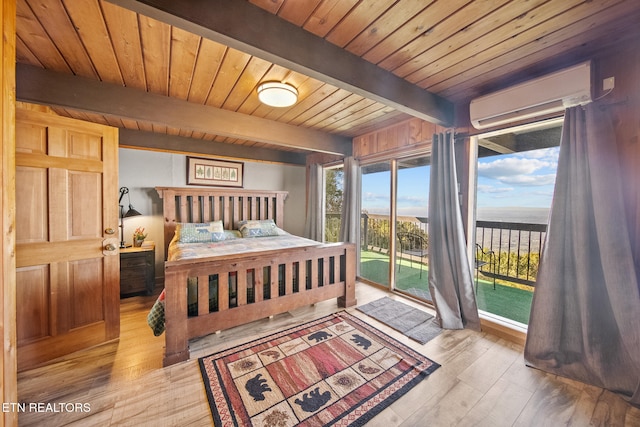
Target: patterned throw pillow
[
  {"x": 189, "y": 232},
  {"x": 258, "y": 228}
]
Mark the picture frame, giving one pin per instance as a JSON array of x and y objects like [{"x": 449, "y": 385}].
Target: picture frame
[{"x": 215, "y": 173}]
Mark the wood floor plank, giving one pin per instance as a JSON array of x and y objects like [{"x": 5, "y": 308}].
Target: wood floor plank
[
  {"x": 500, "y": 406},
  {"x": 490, "y": 367},
  {"x": 611, "y": 410},
  {"x": 448, "y": 410},
  {"x": 552, "y": 404},
  {"x": 438, "y": 385},
  {"x": 522, "y": 375},
  {"x": 483, "y": 380}
]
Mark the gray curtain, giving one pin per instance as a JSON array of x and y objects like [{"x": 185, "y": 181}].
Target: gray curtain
[
  {"x": 585, "y": 315},
  {"x": 313, "y": 221},
  {"x": 450, "y": 273},
  {"x": 350, "y": 224}
]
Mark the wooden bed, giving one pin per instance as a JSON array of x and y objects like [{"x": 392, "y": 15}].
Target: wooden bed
[{"x": 264, "y": 283}]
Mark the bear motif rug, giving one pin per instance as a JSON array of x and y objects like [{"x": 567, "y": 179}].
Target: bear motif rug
[{"x": 333, "y": 371}]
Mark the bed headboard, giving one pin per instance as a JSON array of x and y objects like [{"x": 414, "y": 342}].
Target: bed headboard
[{"x": 212, "y": 204}]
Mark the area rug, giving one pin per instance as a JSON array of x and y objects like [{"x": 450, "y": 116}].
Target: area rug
[
  {"x": 333, "y": 371},
  {"x": 416, "y": 324}
]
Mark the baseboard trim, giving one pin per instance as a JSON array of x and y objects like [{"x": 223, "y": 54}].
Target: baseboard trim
[{"x": 513, "y": 332}]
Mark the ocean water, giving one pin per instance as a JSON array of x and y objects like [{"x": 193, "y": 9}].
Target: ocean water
[{"x": 514, "y": 214}]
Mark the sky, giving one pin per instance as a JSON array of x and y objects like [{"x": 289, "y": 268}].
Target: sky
[{"x": 523, "y": 179}]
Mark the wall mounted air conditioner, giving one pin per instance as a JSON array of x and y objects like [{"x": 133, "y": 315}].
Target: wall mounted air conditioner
[{"x": 547, "y": 94}]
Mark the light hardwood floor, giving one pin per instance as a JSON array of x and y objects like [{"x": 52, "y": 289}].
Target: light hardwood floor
[{"x": 483, "y": 381}]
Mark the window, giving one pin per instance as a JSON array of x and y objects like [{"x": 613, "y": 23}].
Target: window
[
  {"x": 333, "y": 189},
  {"x": 516, "y": 172}
]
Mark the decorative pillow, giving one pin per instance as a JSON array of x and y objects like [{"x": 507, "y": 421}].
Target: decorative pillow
[
  {"x": 189, "y": 232},
  {"x": 258, "y": 228},
  {"x": 232, "y": 234}
]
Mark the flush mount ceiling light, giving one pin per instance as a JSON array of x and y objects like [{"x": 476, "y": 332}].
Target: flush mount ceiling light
[{"x": 276, "y": 94}]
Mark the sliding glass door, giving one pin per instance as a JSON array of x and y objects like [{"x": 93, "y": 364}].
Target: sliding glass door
[
  {"x": 412, "y": 244},
  {"x": 394, "y": 225},
  {"x": 375, "y": 221},
  {"x": 513, "y": 200}
]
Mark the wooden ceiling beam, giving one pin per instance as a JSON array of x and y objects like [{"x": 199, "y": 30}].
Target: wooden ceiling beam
[
  {"x": 40, "y": 86},
  {"x": 250, "y": 29},
  {"x": 179, "y": 144}
]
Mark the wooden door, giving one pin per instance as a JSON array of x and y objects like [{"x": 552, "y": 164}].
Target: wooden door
[
  {"x": 8, "y": 377},
  {"x": 67, "y": 264}
]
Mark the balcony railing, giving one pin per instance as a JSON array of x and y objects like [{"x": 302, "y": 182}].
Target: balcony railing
[
  {"x": 516, "y": 248},
  {"x": 512, "y": 248}
]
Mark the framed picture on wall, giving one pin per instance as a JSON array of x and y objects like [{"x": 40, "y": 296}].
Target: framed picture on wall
[{"x": 218, "y": 173}]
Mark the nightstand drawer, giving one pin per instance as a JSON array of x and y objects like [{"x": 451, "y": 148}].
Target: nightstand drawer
[
  {"x": 133, "y": 262},
  {"x": 132, "y": 275}
]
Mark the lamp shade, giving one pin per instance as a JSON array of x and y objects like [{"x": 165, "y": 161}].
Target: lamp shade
[
  {"x": 276, "y": 94},
  {"x": 131, "y": 212}
]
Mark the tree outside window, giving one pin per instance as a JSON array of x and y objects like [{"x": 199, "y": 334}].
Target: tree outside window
[{"x": 334, "y": 182}]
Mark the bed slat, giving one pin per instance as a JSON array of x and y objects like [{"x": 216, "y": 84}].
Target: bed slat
[
  {"x": 203, "y": 295},
  {"x": 223, "y": 289},
  {"x": 241, "y": 287},
  {"x": 206, "y": 208},
  {"x": 258, "y": 284}
]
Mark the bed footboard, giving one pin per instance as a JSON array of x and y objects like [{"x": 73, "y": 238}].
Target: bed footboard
[{"x": 209, "y": 295}]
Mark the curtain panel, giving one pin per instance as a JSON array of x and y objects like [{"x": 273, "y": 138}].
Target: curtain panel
[
  {"x": 350, "y": 224},
  {"x": 585, "y": 315},
  {"x": 450, "y": 273},
  {"x": 313, "y": 219}
]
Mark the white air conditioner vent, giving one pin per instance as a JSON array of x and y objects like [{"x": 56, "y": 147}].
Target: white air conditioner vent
[{"x": 548, "y": 94}]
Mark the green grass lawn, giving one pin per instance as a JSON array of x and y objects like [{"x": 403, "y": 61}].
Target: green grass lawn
[{"x": 505, "y": 301}]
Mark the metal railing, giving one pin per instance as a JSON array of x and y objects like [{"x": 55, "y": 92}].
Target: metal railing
[
  {"x": 516, "y": 248},
  {"x": 513, "y": 248}
]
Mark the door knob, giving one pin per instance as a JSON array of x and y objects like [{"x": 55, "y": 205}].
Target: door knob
[
  {"x": 110, "y": 246},
  {"x": 109, "y": 231}
]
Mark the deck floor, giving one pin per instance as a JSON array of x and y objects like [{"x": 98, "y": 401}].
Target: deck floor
[
  {"x": 510, "y": 302},
  {"x": 483, "y": 380}
]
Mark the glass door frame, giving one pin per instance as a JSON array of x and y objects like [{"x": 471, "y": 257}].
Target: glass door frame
[
  {"x": 473, "y": 199},
  {"x": 393, "y": 218},
  {"x": 393, "y": 214}
]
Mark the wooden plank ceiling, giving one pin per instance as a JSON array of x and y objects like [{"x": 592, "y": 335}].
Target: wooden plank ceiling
[{"x": 209, "y": 56}]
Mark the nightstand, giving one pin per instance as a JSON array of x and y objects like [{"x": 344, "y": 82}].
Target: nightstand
[{"x": 137, "y": 270}]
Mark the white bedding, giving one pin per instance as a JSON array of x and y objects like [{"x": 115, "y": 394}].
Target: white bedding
[{"x": 180, "y": 251}]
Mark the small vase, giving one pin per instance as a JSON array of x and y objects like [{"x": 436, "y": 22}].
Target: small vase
[{"x": 137, "y": 242}]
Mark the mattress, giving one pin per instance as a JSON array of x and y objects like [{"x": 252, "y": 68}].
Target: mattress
[{"x": 181, "y": 251}]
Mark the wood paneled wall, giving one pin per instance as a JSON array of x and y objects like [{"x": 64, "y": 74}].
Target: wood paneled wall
[
  {"x": 400, "y": 140},
  {"x": 8, "y": 364},
  {"x": 623, "y": 105}
]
